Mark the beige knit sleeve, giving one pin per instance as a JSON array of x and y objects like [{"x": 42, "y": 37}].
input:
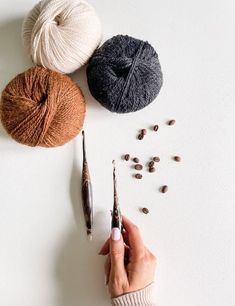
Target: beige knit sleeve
[{"x": 143, "y": 297}]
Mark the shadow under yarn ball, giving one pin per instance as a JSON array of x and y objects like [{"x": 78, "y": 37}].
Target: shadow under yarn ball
[
  {"x": 124, "y": 74},
  {"x": 40, "y": 107}
]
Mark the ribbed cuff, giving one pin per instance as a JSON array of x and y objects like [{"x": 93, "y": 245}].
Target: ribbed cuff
[{"x": 143, "y": 297}]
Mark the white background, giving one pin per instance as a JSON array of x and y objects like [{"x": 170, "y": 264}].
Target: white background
[{"x": 45, "y": 258}]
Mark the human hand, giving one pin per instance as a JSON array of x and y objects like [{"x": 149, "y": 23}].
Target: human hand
[{"x": 129, "y": 266}]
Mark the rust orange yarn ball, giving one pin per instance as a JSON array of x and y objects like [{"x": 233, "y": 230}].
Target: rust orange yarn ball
[{"x": 41, "y": 107}]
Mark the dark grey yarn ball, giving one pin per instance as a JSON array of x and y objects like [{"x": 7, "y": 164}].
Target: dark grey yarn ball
[{"x": 124, "y": 74}]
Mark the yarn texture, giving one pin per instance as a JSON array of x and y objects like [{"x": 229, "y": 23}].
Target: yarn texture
[
  {"x": 124, "y": 74},
  {"x": 41, "y": 107},
  {"x": 61, "y": 35}
]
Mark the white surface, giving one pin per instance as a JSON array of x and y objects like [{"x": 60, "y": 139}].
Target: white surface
[{"x": 44, "y": 256}]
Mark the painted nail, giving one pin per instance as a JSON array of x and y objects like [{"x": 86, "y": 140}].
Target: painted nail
[{"x": 116, "y": 234}]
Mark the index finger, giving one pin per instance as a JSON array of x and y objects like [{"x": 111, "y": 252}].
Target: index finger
[{"x": 135, "y": 240}]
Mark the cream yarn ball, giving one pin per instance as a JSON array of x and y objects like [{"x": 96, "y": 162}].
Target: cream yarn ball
[{"x": 61, "y": 34}]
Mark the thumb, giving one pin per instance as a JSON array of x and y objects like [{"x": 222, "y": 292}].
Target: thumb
[{"x": 117, "y": 251}]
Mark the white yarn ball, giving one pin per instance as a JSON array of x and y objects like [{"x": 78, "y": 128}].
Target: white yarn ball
[{"x": 61, "y": 34}]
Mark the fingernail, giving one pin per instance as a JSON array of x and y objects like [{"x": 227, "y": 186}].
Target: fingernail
[
  {"x": 116, "y": 234},
  {"x": 105, "y": 280}
]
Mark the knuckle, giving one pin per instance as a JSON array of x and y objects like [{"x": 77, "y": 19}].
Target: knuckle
[
  {"x": 116, "y": 252},
  {"x": 150, "y": 255},
  {"x": 151, "y": 258}
]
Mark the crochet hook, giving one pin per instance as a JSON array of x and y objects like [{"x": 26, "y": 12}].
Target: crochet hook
[{"x": 87, "y": 197}]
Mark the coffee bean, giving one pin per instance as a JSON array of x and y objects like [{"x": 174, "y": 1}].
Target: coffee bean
[
  {"x": 164, "y": 189},
  {"x": 151, "y": 164},
  {"x": 144, "y": 131},
  {"x": 138, "y": 167},
  {"x": 141, "y": 136},
  {"x": 155, "y": 127},
  {"x": 138, "y": 176},
  {"x": 177, "y": 158},
  {"x": 145, "y": 210},
  {"x": 156, "y": 159},
  {"x": 171, "y": 122},
  {"x": 127, "y": 157},
  {"x": 136, "y": 160},
  {"x": 152, "y": 169}
]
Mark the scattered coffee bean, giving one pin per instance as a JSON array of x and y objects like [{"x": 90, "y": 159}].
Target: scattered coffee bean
[
  {"x": 136, "y": 160},
  {"x": 145, "y": 210},
  {"x": 138, "y": 167},
  {"x": 155, "y": 127},
  {"x": 144, "y": 131},
  {"x": 127, "y": 157},
  {"x": 152, "y": 169},
  {"x": 138, "y": 176},
  {"x": 171, "y": 122},
  {"x": 151, "y": 164},
  {"x": 177, "y": 158},
  {"x": 156, "y": 159},
  {"x": 164, "y": 189},
  {"x": 141, "y": 136}
]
